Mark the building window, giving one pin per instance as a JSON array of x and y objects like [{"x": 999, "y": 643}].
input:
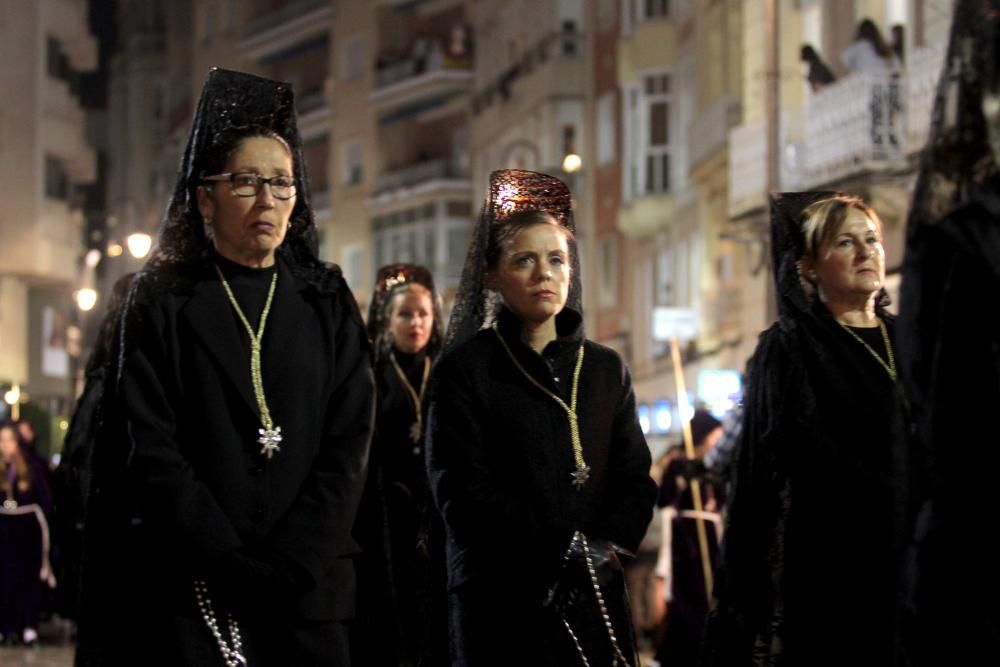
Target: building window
[
  {"x": 606, "y": 128},
  {"x": 354, "y": 59},
  {"x": 353, "y": 263},
  {"x": 649, "y": 147},
  {"x": 654, "y": 9},
  {"x": 353, "y": 163},
  {"x": 56, "y": 180},
  {"x": 608, "y": 287}
]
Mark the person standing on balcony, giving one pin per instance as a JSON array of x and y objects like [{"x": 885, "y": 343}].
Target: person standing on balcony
[
  {"x": 818, "y": 74},
  {"x": 535, "y": 454},
  {"x": 236, "y": 418},
  {"x": 810, "y": 555},
  {"x": 870, "y": 56},
  {"x": 401, "y": 595}
]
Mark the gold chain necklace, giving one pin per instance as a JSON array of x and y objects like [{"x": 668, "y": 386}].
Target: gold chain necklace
[
  {"x": 417, "y": 398},
  {"x": 582, "y": 472},
  {"x": 890, "y": 367},
  {"x": 270, "y": 436}
]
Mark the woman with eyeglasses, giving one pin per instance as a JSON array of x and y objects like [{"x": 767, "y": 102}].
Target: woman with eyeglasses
[{"x": 237, "y": 417}]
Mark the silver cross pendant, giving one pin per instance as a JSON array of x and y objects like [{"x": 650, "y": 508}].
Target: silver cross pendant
[
  {"x": 580, "y": 476},
  {"x": 269, "y": 439}
]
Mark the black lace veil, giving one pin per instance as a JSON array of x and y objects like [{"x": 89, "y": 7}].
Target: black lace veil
[
  {"x": 229, "y": 101},
  {"x": 390, "y": 281},
  {"x": 964, "y": 138},
  {"x": 509, "y": 191}
]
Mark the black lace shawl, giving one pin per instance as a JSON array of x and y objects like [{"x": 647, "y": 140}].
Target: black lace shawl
[
  {"x": 949, "y": 354},
  {"x": 813, "y": 514}
]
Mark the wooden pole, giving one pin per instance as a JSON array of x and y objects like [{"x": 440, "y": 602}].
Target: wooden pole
[{"x": 706, "y": 561}]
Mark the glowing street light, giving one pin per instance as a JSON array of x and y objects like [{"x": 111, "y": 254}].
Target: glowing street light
[
  {"x": 12, "y": 397},
  {"x": 139, "y": 244},
  {"x": 86, "y": 298},
  {"x": 114, "y": 249},
  {"x": 572, "y": 163}
]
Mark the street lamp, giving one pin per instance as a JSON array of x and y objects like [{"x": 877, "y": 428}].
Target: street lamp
[
  {"x": 86, "y": 298},
  {"x": 139, "y": 244},
  {"x": 572, "y": 163},
  {"x": 12, "y": 397}
]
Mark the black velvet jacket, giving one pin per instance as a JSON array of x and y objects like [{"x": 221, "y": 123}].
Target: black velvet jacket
[
  {"x": 182, "y": 491},
  {"x": 500, "y": 458}
]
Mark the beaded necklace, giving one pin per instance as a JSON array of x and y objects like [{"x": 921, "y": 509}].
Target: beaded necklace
[
  {"x": 270, "y": 435},
  {"x": 415, "y": 396},
  {"x": 890, "y": 367},
  {"x": 232, "y": 651},
  {"x": 582, "y": 472}
]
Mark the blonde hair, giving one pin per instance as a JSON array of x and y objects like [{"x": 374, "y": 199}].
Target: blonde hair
[{"x": 823, "y": 219}]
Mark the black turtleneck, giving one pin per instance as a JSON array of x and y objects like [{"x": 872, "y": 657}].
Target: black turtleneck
[
  {"x": 250, "y": 287},
  {"x": 412, "y": 365}
]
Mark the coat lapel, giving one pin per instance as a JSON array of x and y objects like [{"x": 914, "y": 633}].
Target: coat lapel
[{"x": 210, "y": 316}]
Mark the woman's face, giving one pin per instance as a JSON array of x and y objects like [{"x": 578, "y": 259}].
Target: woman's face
[
  {"x": 533, "y": 274},
  {"x": 8, "y": 442},
  {"x": 411, "y": 319},
  {"x": 852, "y": 263},
  {"x": 248, "y": 230}
]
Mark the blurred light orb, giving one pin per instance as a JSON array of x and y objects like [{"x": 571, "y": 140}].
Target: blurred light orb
[
  {"x": 92, "y": 258},
  {"x": 139, "y": 244},
  {"x": 86, "y": 299},
  {"x": 114, "y": 249},
  {"x": 572, "y": 163}
]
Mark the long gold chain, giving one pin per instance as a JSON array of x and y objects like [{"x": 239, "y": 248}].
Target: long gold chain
[
  {"x": 416, "y": 397},
  {"x": 582, "y": 472},
  {"x": 270, "y": 435},
  {"x": 890, "y": 367}
]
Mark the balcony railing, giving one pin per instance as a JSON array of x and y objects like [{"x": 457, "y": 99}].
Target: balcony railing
[
  {"x": 854, "y": 124},
  {"x": 433, "y": 61},
  {"x": 284, "y": 14},
  {"x": 420, "y": 172}
]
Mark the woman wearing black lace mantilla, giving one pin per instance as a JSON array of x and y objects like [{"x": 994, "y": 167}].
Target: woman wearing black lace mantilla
[
  {"x": 536, "y": 458},
  {"x": 237, "y": 417},
  {"x": 810, "y": 553}
]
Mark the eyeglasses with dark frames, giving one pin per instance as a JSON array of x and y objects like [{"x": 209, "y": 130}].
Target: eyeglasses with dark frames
[{"x": 248, "y": 184}]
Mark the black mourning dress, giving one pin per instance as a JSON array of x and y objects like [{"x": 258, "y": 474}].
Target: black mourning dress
[{"x": 810, "y": 555}]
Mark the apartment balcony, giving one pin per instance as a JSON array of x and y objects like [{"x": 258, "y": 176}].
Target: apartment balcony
[
  {"x": 747, "y": 168},
  {"x": 67, "y": 21},
  {"x": 439, "y": 175},
  {"x": 62, "y": 131},
  {"x": 854, "y": 125},
  {"x": 709, "y": 133},
  {"x": 293, "y": 23},
  {"x": 315, "y": 113},
  {"x": 420, "y": 81}
]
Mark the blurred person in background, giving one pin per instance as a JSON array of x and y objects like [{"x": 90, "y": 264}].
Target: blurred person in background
[
  {"x": 25, "y": 572},
  {"x": 681, "y": 559},
  {"x": 811, "y": 552},
  {"x": 402, "y": 585}
]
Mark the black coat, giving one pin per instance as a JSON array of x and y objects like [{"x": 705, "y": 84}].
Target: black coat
[
  {"x": 811, "y": 551},
  {"x": 183, "y": 493},
  {"x": 951, "y": 359},
  {"x": 500, "y": 460}
]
